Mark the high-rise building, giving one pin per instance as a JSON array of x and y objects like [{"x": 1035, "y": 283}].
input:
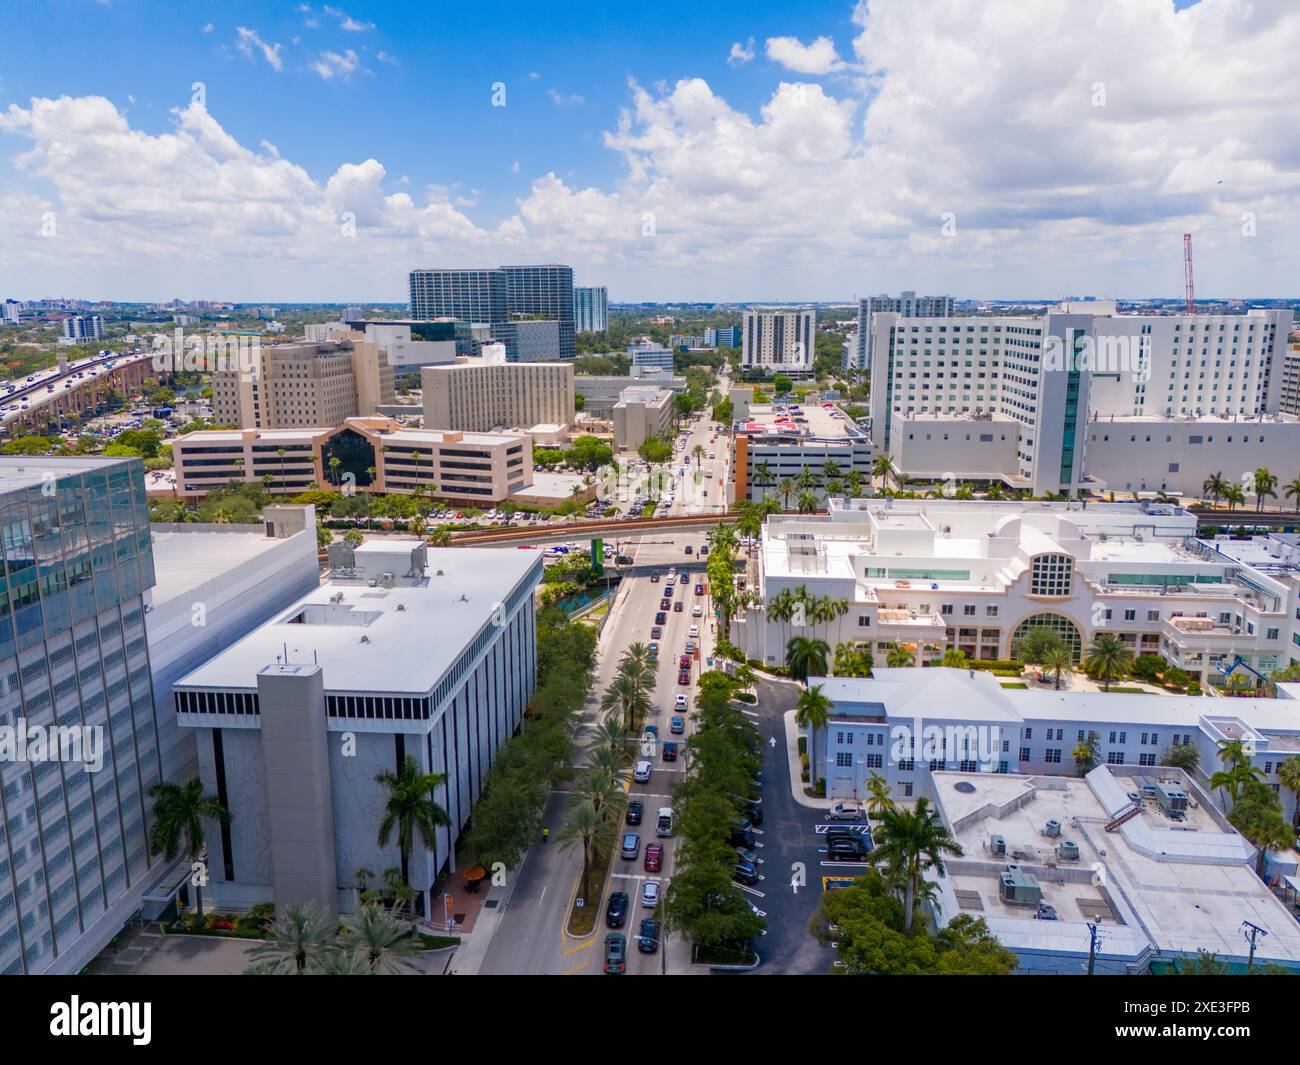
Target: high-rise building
[
  {"x": 482, "y": 395},
  {"x": 414, "y": 653},
  {"x": 292, "y": 386},
  {"x": 1289, "y": 401},
  {"x": 906, "y": 305},
  {"x": 779, "y": 340},
  {"x": 591, "y": 309},
  {"x": 1018, "y": 398},
  {"x": 83, "y": 328},
  {"x": 502, "y": 297},
  {"x": 727, "y": 337}
]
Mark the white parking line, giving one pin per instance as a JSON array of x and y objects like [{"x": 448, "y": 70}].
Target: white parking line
[{"x": 847, "y": 865}]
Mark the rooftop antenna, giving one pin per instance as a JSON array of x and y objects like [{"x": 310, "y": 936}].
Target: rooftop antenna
[{"x": 1187, "y": 269}]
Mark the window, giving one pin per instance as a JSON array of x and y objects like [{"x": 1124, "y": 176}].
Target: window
[
  {"x": 1052, "y": 755},
  {"x": 844, "y": 759},
  {"x": 1051, "y": 575}
]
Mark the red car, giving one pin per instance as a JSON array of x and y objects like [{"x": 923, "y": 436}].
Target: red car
[
  {"x": 678, "y": 606},
  {"x": 654, "y": 857},
  {"x": 684, "y": 678},
  {"x": 665, "y": 604},
  {"x": 684, "y": 662}
]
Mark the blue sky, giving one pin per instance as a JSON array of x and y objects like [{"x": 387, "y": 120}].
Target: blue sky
[{"x": 671, "y": 151}]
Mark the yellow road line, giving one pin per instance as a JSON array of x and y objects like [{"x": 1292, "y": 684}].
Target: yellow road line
[
  {"x": 577, "y": 968},
  {"x": 580, "y": 946}
]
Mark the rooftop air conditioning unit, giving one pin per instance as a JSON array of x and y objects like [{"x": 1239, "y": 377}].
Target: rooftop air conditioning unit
[
  {"x": 1052, "y": 829},
  {"x": 998, "y": 846},
  {"x": 1068, "y": 851}
]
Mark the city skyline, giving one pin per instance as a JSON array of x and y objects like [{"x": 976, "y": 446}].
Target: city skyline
[{"x": 291, "y": 152}]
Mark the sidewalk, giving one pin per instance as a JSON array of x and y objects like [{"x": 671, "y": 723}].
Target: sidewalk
[{"x": 796, "y": 766}]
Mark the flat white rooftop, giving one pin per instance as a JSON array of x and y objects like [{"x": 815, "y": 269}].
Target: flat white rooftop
[
  {"x": 187, "y": 559},
  {"x": 373, "y": 638}
]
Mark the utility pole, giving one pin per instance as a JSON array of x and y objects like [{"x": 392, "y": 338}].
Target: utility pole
[
  {"x": 1251, "y": 932},
  {"x": 1093, "y": 938}
]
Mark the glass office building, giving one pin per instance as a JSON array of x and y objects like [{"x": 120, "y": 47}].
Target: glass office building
[{"x": 74, "y": 534}]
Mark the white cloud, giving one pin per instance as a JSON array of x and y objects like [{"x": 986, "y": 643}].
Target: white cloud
[
  {"x": 819, "y": 57},
  {"x": 741, "y": 54},
  {"x": 331, "y": 65},
  {"x": 208, "y": 28},
  {"x": 249, "y": 42},
  {"x": 819, "y": 193},
  {"x": 564, "y": 100}
]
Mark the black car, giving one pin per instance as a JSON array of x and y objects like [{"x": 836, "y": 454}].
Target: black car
[
  {"x": 616, "y": 910},
  {"x": 742, "y": 834},
  {"x": 648, "y": 941},
  {"x": 634, "y": 811},
  {"x": 654, "y": 576},
  {"x": 661, "y": 618},
  {"x": 845, "y": 849},
  {"x": 754, "y": 812}
]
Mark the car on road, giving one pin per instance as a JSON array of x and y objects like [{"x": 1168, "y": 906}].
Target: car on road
[
  {"x": 648, "y": 941},
  {"x": 641, "y": 774},
  {"x": 690, "y": 647},
  {"x": 677, "y": 725},
  {"x": 844, "y": 811},
  {"x": 631, "y": 846},
  {"x": 615, "y": 953},
  {"x": 656, "y": 632},
  {"x": 699, "y": 589},
  {"x": 670, "y": 751},
  {"x": 654, "y": 857},
  {"x": 616, "y": 909},
  {"x": 684, "y": 662},
  {"x": 661, "y": 618},
  {"x": 745, "y": 872},
  {"x": 684, "y": 678},
  {"x": 665, "y": 604},
  {"x": 678, "y": 606},
  {"x": 653, "y": 650},
  {"x": 668, "y": 590},
  {"x": 635, "y": 811},
  {"x": 690, "y": 550},
  {"x": 697, "y": 611},
  {"x": 693, "y": 632},
  {"x": 654, "y": 576},
  {"x": 650, "y": 894},
  {"x": 679, "y": 702}
]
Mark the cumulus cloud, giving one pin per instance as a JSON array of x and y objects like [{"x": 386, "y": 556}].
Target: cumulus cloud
[
  {"x": 331, "y": 65},
  {"x": 1077, "y": 166},
  {"x": 819, "y": 57},
  {"x": 741, "y": 53},
  {"x": 250, "y": 44}
]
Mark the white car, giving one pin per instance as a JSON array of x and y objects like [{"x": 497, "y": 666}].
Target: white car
[
  {"x": 650, "y": 894},
  {"x": 694, "y": 630},
  {"x": 697, "y": 611},
  {"x": 679, "y": 702},
  {"x": 641, "y": 774}
]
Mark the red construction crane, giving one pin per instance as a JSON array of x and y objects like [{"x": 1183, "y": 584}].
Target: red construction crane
[{"x": 1187, "y": 264}]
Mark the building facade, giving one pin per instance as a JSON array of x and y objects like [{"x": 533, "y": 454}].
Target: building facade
[
  {"x": 376, "y": 455},
  {"x": 406, "y": 652},
  {"x": 779, "y": 341},
  {"x": 906, "y": 305},
  {"x": 294, "y": 386},
  {"x": 591, "y": 309},
  {"x": 481, "y": 396},
  {"x": 726, "y": 337},
  {"x": 774, "y": 449},
  {"x": 642, "y": 412}
]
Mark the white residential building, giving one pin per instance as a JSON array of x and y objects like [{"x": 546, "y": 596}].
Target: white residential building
[
  {"x": 779, "y": 340},
  {"x": 978, "y": 576},
  {"x": 590, "y": 308}
]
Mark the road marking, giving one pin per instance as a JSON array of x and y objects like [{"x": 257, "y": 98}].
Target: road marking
[
  {"x": 626, "y": 876},
  {"x": 580, "y": 946},
  {"x": 851, "y": 865},
  {"x": 577, "y": 968},
  {"x": 751, "y": 890},
  {"x": 861, "y": 830}
]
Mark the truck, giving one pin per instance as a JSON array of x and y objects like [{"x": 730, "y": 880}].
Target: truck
[{"x": 664, "y": 823}]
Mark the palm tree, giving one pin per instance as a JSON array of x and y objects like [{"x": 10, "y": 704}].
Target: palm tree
[
  {"x": 698, "y": 451},
  {"x": 440, "y": 537},
  {"x": 411, "y": 810},
  {"x": 955, "y": 658},
  {"x": 602, "y": 794},
  {"x": 806, "y": 657},
  {"x": 1234, "y": 495},
  {"x": 786, "y": 488},
  {"x": 854, "y": 479},
  {"x": 301, "y": 939},
  {"x": 179, "y": 810},
  {"x": 764, "y": 477},
  {"x": 878, "y": 796},
  {"x": 1058, "y": 660},
  {"x": 344, "y": 963},
  {"x": 585, "y": 828},
  {"x": 1236, "y": 778},
  {"x": 1292, "y": 492},
  {"x": 807, "y": 502},
  {"x": 334, "y": 463},
  {"x": 1108, "y": 658},
  {"x": 1214, "y": 486},
  {"x": 812, "y": 713},
  {"x": 626, "y": 695},
  {"x": 852, "y": 660},
  {"x": 1288, "y": 774},
  {"x": 1085, "y": 754},
  {"x": 884, "y": 468},
  {"x": 899, "y": 657},
  {"x": 1265, "y": 485},
  {"x": 386, "y": 944},
  {"x": 908, "y": 842}
]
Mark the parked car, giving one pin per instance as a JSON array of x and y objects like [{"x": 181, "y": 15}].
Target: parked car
[
  {"x": 641, "y": 773},
  {"x": 648, "y": 941},
  {"x": 844, "y": 811},
  {"x": 616, "y": 910},
  {"x": 847, "y": 849},
  {"x": 745, "y": 872},
  {"x": 635, "y": 810},
  {"x": 742, "y": 834},
  {"x": 615, "y": 953},
  {"x": 754, "y": 811},
  {"x": 650, "y": 894},
  {"x": 654, "y": 857}
]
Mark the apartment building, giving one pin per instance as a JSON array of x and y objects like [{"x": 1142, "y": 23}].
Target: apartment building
[
  {"x": 649, "y": 357},
  {"x": 1289, "y": 403},
  {"x": 294, "y": 386},
  {"x": 936, "y": 381},
  {"x": 980, "y": 576},
  {"x": 726, "y": 337},
  {"x": 486, "y": 394},
  {"x": 511, "y": 300},
  {"x": 591, "y": 309},
  {"x": 375, "y": 454},
  {"x": 642, "y": 411},
  {"x": 779, "y": 341},
  {"x": 857, "y": 355},
  {"x": 82, "y": 329},
  {"x": 412, "y": 653},
  {"x": 773, "y": 446}
]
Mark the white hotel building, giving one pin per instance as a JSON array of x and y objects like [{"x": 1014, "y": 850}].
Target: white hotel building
[
  {"x": 1025, "y": 400},
  {"x": 978, "y": 576}
]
